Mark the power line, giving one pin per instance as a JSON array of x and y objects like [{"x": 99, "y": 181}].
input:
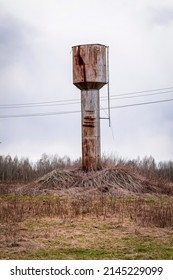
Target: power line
[
  {"x": 143, "y": 103},
  {"x": 53, "y": 103},
  {"x": 143, "y": 91},
  {"x": 39, "y": 114},
  {"x": 142, "y": 95},
  {"x": 77, "y": 111},
  {"x": 38, "y": 103},
  {"x": 77, "y": 101}
]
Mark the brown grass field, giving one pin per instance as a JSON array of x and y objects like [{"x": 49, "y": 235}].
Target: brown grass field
[{"x": 109, "y": 214}]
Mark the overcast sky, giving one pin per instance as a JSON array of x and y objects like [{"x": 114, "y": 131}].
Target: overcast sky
[{"x": 36, "y": 37}]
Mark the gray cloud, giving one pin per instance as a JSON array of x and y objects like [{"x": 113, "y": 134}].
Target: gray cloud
[
  {"x": 162, "y": 15},
  {"x": 12, "y": 39},
  {"x": 36, "y": 66}
]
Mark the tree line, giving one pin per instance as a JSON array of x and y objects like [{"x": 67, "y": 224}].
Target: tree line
[{"x": 23, "y": 170}]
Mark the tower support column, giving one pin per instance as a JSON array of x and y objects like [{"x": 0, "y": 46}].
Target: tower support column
[{"x": 90, "y": 117}]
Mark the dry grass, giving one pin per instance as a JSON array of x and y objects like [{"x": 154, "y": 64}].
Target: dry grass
[
  {"x": 86, "y": 227},
  {"x": 113, "y": 213},
  {"x": 52, "y": 238}
]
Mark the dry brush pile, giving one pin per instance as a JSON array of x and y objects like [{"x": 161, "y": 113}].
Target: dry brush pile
[{"x": 113, "y": 180}]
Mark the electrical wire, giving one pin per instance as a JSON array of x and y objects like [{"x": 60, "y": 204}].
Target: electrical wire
[
  {"x": 77, "y": 111},
  {"x": 143, "y": 91},
  {"x": 39, "y": 104},
  {"x": 77, "y": 101},
  {"x": 142, "y": 95},
  {"x": 38, "y": 114},
  {"x": 143, "y": 103},
  {"x": 53, "y": 103}
]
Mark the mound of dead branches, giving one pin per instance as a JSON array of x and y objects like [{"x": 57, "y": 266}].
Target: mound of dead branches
[{"x": 113, "y": 180}]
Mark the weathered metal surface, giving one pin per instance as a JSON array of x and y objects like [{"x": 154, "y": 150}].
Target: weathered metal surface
[
  {"x": 90, "y": 113},
  {"x": 89, "y": 66},
  {"x": 89, "y": 75}
]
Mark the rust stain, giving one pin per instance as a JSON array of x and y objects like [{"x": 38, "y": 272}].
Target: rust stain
[
  {"x": 81, "y": 64},
  {"x": 89, "y": 66},
  {"x": 90, "y": 162},
  {"x": 89, "y": 121}
]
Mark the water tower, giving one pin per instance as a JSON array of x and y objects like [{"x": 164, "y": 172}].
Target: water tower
[{"x": 90, "y": 75}]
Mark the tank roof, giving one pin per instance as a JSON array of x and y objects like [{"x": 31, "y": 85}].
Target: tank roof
[{"x": 89, "y": 45}]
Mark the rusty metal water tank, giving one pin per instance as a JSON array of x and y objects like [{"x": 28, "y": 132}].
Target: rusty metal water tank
[
  {"x": 90, "y": 75},
  {"x": 89, "y": 66}
]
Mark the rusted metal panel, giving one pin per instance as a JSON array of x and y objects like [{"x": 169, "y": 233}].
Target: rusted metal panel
[
  {"x": 89, "y": 66},
  {"x": 90, "y": 113}
]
